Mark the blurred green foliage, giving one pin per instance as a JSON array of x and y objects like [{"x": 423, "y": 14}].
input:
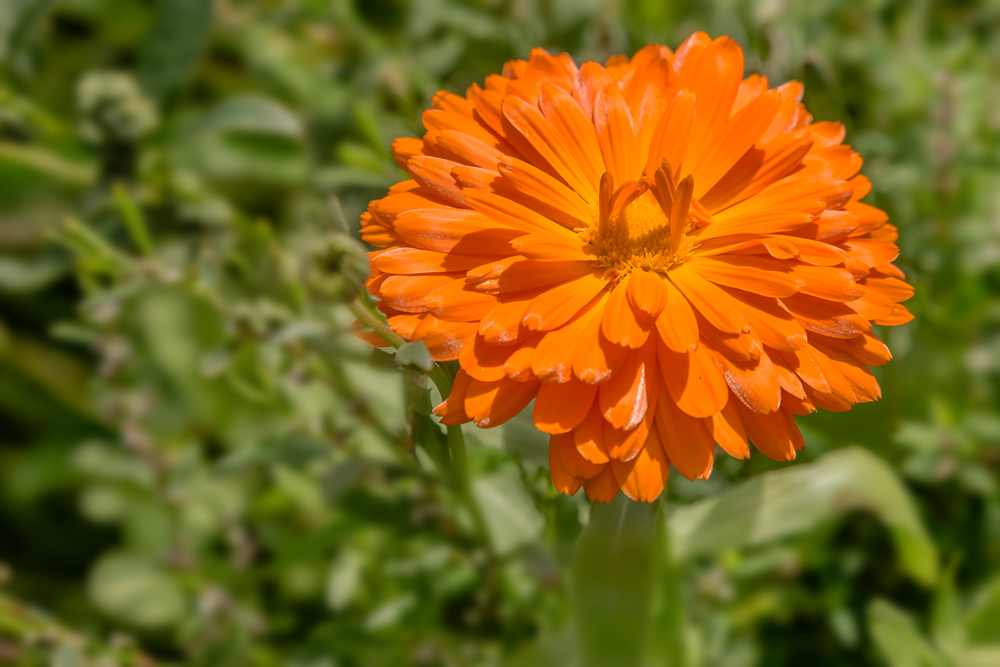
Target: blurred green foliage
[{"x": 199, "y": 464}]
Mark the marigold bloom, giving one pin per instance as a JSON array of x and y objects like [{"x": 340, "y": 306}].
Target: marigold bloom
[{"x": 663, "y": 254}]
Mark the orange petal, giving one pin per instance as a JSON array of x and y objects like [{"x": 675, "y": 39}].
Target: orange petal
[
  {"x": 465, "y": 148},
  {"x": 686, "y": 440},
  {"x": 670, "y": 137},
  {"x": 616, "y": 134},
  {"x": 552, "y": 248},
  {"x": 891, "y": 286},
  {"x": 562, "y": 480},
  {"x": 757, "y": 222},
  {"x": 553, "y": 360},
  {"x": 861, "y": 379},
  {"x": 408, "y": 294},
  {"x": 645, "y": 476},
  {"x": 518, "y": 365},
  {"x": 452, "y": 409},
  {"x": 556, "y": 306},
  {"x": 737, "y": 347},
  {"x": 589, "y": 437},
  {"x": 867, "y": 349},
  {"x": 826, "y": 317},
  {"x": 490, "y": 404},
  {"x": 572, "y": 462},
  {"x": 827, "y": 282},
  {"x": 624, "y": 445},
  {"x": 531, "y": 273},
  {"x": 595, "y": 358},
  {"x": 444, "y": 339},
  {"x": 738, "y": 136},
  {"x": 900, "y": 315},
  {"x": 775, "y": 435},
  {"x": 755, "y": 383},
  {"x": 453, "y": 230},
  {"x": 404, "y": 260},
  {"x": 456, "y": 302},
  {"x": 502, "y": 325},
  {"x": 623, "y": 398},
  {"x": 759, "y": 275},
  {"x": 571, "y": 209},
  {"x": 483, "y": 361},
  {"x": 576, "y": 130},
  {"x": 708, "y": 299},
  {"x": 603, "y": 488},
  {"x": 512, "y": 214},
  {"x": 772, "y": 324},
  {"x": 647, "y": 292},
  {"x": 728, "y": 431},
  {"x": 591, "y": 78},
  {"x": 694, "y": 381},
  {"x": 550, "y": 144},
  {"x": 622, "y": 324},
  {"x": 434, "y": 173},
  {"x": 715, "y": 78},
  {"x": 677, "y": 325},
  {"x": 559, "y": 408}
]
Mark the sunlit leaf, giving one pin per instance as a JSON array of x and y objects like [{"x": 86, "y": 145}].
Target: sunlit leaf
[
  {"x": 511, "y": 517},
  {"x": 136, "y": 591},
  {"x": 983, "y": 620},
  {"x": 897, "y": 638},
  {"x": 787, "y": 502}
]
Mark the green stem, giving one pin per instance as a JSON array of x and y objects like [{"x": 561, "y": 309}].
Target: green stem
[
  {"x": 462, "y": 479},
  {"x": 456, "y": 440},
  {"x": 671, "y": 614},
  {"x": 378, "y": 327},
  {"x": 48, "y": 163},
  {"x": 613, "y": 583}
]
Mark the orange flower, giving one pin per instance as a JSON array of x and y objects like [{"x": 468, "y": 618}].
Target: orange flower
[{"x": 663, "y": 254}]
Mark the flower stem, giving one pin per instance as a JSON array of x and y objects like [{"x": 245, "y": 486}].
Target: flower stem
[
  {"x": 380, "y": 328},
  {"x": 462, "y": 479},
  {"x": 456, "y": 440},
  {"x": 671, "y": 615}
]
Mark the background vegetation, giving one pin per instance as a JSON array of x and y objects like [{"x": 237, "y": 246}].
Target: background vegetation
[{"x": 199, "y": 465}]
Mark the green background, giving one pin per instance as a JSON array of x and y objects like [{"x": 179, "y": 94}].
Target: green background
[{"x": 199, "y": 465}]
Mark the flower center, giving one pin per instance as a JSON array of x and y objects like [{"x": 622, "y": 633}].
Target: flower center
[{"x": 637, "y": 236}]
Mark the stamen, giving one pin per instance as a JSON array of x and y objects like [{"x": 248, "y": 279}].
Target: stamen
[{"x": 643, "y": 224}]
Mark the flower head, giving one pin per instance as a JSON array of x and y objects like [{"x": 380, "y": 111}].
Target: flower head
[{"x": 663, "y": 254}]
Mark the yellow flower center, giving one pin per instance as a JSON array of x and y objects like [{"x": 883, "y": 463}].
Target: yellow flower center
[{"x": 637, "y": 237}]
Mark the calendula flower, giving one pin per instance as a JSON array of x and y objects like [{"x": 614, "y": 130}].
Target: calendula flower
[{"x": 662, "y": 254}]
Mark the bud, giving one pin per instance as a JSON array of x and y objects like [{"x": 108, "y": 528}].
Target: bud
[
  {"x": 113, "y": 110},
  {"x": 337, "y": 270}
]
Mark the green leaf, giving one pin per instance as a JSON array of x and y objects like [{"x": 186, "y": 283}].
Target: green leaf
[
  {"x": 17, "y": 19},
  {"x": 414, "y": 354},
  {"x": 136, "y": 591},
  {"x": 510, "y": 515},
  {"x": 980, "y": 656},
  {"x": 30, "y": 274},
  {"x": 520, "y": 438},
  {"x": 171, "y": 50},
  {"x": 253, "y": 114},
  {"x": 613, "y": 582},
  {"x": 793, "y": 501},
  {"x": 134, "y": 221},
  {"x": 897, "y": 638},
  {"x": 947, "y": 629},
  {"x": 559, "y": 649},
  {"x": 344, "y": 578},
  {"x": 982, "y": 623}
]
